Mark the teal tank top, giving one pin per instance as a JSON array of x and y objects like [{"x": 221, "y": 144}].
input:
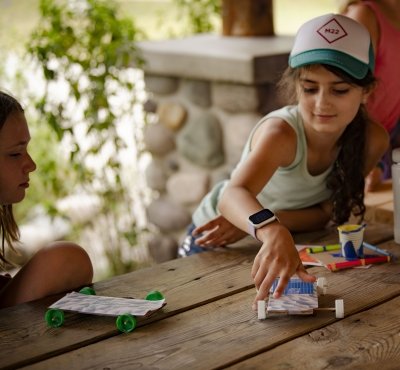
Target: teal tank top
[{"x": 290, "y": 187}]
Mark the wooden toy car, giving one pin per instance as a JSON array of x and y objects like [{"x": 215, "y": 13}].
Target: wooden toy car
[
  {"x": 86, "y": 301},
  {"x": 299, "y": 298}
]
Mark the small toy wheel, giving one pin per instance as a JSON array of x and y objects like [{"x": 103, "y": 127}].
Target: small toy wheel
[
  {"x": 54, "y": 317},
  {"x": 261, "y": 313},
  {"x": 154, "y": 295},
  {"x": 322, "y": 285},
  {"x": 339, "y": 308},
  {"x": 87, "y": 290},
  {"x": 126, "y": 322}
]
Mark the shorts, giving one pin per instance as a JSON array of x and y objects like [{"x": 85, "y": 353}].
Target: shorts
[{"x": 189, "y": 246}]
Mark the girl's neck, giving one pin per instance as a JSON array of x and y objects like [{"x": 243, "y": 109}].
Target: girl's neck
[
  {"x": 322, "y": 151},
  {"x": 323, "y": 142}
]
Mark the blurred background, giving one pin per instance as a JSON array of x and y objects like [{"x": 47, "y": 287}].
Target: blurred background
[
  {"x": 157, "y": 18},
  {"x": 83, "y": 91}
]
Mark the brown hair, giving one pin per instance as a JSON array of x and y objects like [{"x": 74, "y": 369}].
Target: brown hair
[
  {"x": 346, "y": 180},
  {"x": 8, "y": 227}
]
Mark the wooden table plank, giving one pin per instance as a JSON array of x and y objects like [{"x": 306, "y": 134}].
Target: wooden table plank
[
  {"x": 226, "y": 331},
  {"x": 187, "y": 283},
  {"x": 198, "y": 280},
  {"x": 367, "y": 340}
]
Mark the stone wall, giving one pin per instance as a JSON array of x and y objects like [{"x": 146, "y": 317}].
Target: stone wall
[{"x": 207, "y": 92}]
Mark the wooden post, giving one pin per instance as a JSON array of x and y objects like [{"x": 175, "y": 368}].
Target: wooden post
[{"x": 247, "y": 18}]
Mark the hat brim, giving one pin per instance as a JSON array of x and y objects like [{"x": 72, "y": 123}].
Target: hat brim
[{"x": 347, "y": 63}]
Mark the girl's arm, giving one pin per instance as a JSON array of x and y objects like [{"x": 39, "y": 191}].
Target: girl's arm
[
  {"x": 306, "y": 219},
  {"x": 377, "y": 144},
  {"x": 273, "y": 145}
]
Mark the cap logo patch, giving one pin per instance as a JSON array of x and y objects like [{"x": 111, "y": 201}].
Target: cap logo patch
[{"x": 332, "y": 31}]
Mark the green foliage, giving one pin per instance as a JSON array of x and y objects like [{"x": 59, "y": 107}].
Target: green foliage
[
  {"x": 53, "y": 178},
  {"x": 86, "y": 54},
  {"x": 202, "y": 15}
]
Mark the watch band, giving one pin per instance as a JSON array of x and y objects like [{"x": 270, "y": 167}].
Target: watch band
[{"x": 258, "y": 223}]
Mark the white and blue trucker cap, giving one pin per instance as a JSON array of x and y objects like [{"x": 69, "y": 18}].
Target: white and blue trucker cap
[{"x": 336, "y": 40}]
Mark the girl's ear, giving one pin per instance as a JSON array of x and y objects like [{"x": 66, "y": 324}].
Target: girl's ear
[{"x": 366, "y": 94}]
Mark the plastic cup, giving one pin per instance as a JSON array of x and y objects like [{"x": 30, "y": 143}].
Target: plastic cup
[{"x": 351, "y": 239}]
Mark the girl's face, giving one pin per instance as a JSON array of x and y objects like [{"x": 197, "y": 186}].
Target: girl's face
[
  {"x": 327, "y": 103},
  {"x": 15, "y": 161}
]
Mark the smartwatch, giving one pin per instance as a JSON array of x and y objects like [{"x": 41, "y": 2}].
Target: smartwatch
[{"x": 260, "y": 219}]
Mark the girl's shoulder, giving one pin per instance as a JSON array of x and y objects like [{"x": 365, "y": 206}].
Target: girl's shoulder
[
  {"x": 278, "y": 132},
  {"x": 284, "y": 120}
]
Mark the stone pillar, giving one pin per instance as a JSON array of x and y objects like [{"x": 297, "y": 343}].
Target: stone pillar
[{"x": 205, "y": 94}]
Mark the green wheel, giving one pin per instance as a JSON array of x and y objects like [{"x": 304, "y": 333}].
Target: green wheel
[
  {"x": 87, "y": 290},
  {"x": 154, "y": 295},
  {"x": 126, "y": 322},
  {"x": 54, "y": 317}
]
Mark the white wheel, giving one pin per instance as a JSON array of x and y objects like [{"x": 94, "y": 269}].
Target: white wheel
[
  {"x": 261, "y": 310},
  {"x": 322, "y": 285},
  {"x": 339, "y": 308}
]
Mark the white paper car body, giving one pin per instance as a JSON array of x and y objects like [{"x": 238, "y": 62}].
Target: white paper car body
[
  {"x": 106, "y": 306},
  {"x": 298, "y": 298},
  {"x": 124, "y": 309}
]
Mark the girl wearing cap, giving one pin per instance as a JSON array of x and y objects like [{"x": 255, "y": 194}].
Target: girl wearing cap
[
  {"x": 304, "y": 164},
  {"x": 382, "y": 19}
]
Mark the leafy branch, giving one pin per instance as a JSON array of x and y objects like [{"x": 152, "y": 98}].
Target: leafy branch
[
  {"x": 200, "y": 14},
  {"x": 86, "y": 53}
]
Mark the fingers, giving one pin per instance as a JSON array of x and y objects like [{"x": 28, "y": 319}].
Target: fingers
[
  {"x": 263, "y": 280},
  {"x": 280, "y": 288},
  {"x": 264, "y": 288},
  {"x": 254, "y": 269},
  {"x": 211, "y": 239},
  {"x": 219, "y": 236},
  {"x": 301, "y": 272},
  {"x": 203, "y": 228},
  {"x": 304, "y": 275},
  {"x": 204, "y": 239},
  {"x": 265, "y": 271}
]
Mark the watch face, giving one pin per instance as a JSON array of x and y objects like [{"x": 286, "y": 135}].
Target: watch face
[{"x": 261, "y": 216}]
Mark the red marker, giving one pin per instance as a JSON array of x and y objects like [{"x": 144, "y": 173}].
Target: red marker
[{"x": 360, "y": 262}]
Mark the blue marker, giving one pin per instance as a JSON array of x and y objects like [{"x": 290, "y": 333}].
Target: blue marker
[{"x": 376, "y": 249}]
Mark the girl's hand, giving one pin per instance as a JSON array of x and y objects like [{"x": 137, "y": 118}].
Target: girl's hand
[
  {"x": 217, "y": 233},
  {"x": 277, "y": 257}
]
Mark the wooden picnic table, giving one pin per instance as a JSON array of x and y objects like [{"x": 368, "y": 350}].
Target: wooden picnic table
[{"x": 208, "y": 322}]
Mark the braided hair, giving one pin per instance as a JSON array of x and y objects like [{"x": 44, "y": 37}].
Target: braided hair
[
  {"x": 8, "y": 227},
  {"x": 346, "y": 180}
]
